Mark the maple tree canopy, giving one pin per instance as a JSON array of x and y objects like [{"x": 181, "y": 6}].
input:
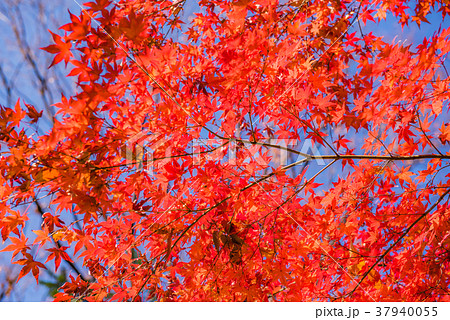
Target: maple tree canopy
[{"x": 262, "y": 150}]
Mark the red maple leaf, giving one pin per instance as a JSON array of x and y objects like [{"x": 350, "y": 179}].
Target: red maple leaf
[
  {"x": 29, "y": 264},
  {"x": 60, "y": 48}
]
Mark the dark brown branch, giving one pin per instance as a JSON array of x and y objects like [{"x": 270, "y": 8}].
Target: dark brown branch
[{"x": 58, "y": 245}]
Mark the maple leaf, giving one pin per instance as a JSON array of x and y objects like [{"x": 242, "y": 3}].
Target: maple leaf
[
  {"x": 445, "y": 133},
  {"x": 237, "y": 16},
  {"x": 98, "y": 5},
  {"x": 18, "y": 115},
  {"x": 58, "y": 254},
  {"x": 60, "y": 48},
  {"x": 79, "y": 27},
  {"x": 29, "y": 264},
  {"x": 341, "y": 142},
  {"x": 14, "y": 221},
  {"x": 19, "y": 245},
  {"x": 33, "y": 114},
  {"x": 133, "y": 26},
  {"x": 42, "y": 238}
]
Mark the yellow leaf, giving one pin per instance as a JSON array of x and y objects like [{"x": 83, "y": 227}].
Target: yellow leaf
[
  {"x": 58, "y": 235},
  {"x": 46, "y": 175},
  {"x": 378, "y": 285},
  {"x": 381, "y": 13},
  {"x": 356, "y": 269},
  {"x": 360, "y": 266},
  {"x": 267, "y": 252}
]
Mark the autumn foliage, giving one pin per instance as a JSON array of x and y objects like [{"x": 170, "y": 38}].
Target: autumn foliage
[{"x": 363, "y": 214}]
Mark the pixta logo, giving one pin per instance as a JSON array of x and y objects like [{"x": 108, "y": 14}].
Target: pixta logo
[
  {"x": 149, "y": 152},
  {"x": 140, "y": 151}
]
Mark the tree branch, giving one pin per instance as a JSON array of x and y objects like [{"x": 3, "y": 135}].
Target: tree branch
[
  {"x": 397, "y": 241},
  {"x": 58, "y": 245}
]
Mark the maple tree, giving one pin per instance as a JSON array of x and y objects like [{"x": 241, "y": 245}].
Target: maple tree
[{"x": 219, "y": 216}]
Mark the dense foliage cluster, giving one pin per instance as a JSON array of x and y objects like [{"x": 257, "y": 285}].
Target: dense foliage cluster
[{"x": 179, "y": 169}]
